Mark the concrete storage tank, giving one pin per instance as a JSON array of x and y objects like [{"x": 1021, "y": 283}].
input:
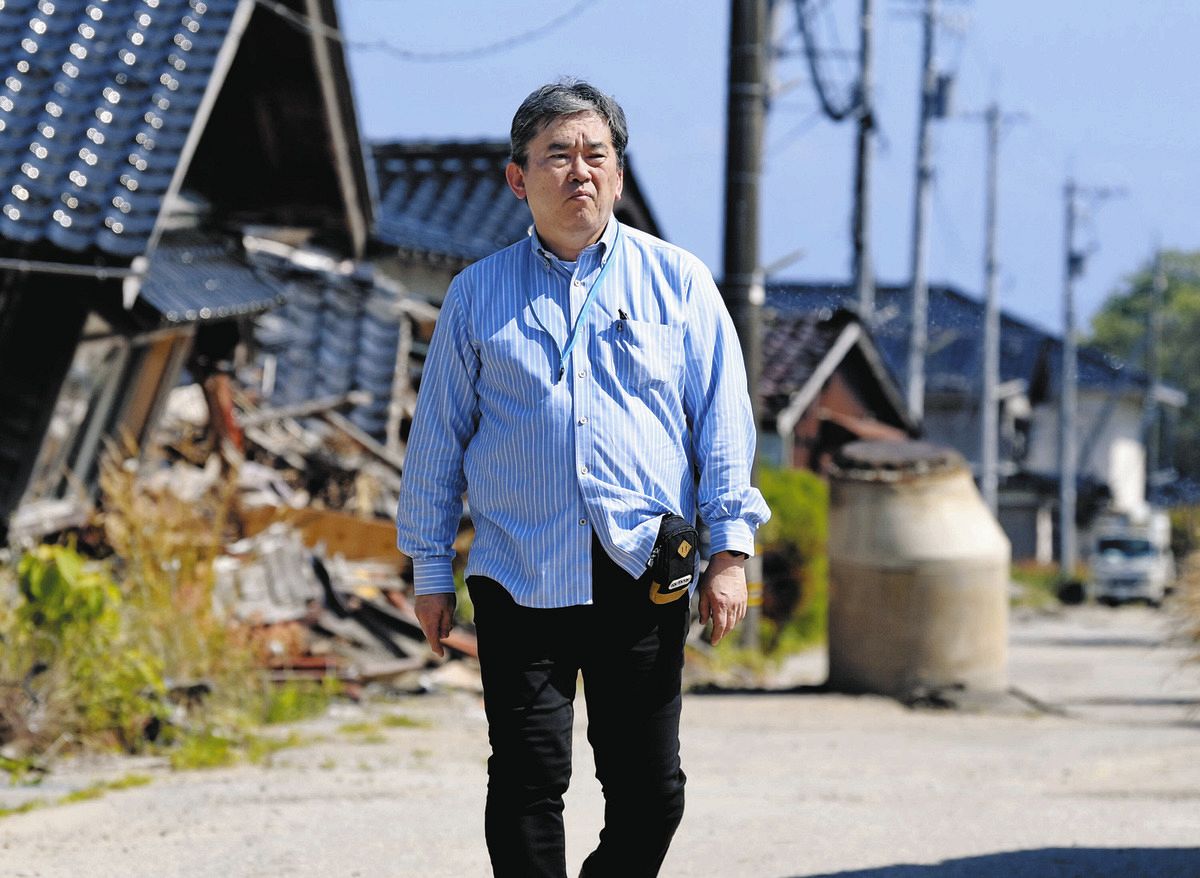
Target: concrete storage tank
[{"x": 918, "y": 574}]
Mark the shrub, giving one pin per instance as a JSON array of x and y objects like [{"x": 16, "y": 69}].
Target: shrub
[
  {"x": 74, "y": 670},
  {"x": 131, "y": 652},
  {"x": 795, "y": 563}
]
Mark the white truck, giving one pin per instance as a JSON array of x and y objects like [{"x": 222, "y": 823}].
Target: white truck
[{"x": 1130, "y": 557}]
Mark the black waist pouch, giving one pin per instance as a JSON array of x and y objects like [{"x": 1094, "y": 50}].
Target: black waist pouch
[{"x": 673, "y": 563}]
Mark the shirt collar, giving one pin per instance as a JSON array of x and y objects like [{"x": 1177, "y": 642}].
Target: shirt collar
[{"x": 605, "y": 242}]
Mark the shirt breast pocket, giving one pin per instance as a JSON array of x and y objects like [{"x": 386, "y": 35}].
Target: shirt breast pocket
[{"x": 646, "y": 354}]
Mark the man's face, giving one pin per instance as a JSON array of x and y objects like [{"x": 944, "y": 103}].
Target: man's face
[{"x": 571, "y": 180}]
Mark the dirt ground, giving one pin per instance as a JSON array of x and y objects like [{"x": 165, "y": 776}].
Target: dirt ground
[{"x": 1102, "y": 780}]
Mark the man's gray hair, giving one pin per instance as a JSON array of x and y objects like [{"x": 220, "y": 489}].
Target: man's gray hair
[{"x": 565, "y": 98}]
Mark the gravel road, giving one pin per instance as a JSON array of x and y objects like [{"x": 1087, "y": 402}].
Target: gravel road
[{"x": 1104, "y": 781}]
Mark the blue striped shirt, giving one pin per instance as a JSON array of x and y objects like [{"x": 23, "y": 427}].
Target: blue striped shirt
[{"x": 650, "y": 417}]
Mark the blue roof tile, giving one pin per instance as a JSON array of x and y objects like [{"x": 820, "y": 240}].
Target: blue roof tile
[
  {"x": 97, "y": 100},
  {"x": 448, "y": 199},
  {"x": 197, "y": 278}
]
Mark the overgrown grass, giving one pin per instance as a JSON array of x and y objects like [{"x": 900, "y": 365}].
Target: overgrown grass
[
  {"x": 96, "y": 790},
  {"x": 103, "y": 655},
  {"x": 401, "y": 721},
  {"x": 212, "y": 749},
  {"x": 364, "y": 727},
  {"x": 1040, "y": 584},
  {"x": 84, "y": 794},
  {"x": 23, "y": 808},
  {"x": 204, "y": 750},
  {"x": 297, "y": 700}
]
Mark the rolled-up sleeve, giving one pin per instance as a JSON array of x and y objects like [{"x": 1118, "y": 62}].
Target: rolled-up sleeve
[
  {"x": 447, "y": 413},
  {"x": 722, "y": 422}
]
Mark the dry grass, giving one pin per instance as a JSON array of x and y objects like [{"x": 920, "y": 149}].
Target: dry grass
[
  {"x": 101, "y": 678},
  {"x": 166, "y": 546}
]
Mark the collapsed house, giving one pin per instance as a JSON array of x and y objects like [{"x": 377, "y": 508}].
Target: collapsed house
[
  {"x": 169, "y": 172},
  {"x": 138, "y": 143}
]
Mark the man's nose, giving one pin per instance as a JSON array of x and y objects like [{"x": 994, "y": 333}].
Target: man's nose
[{"x": 580, "y": 170}]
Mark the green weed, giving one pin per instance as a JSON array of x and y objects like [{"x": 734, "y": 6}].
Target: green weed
[
  {"x": 401, "y": 721},
  {"x": 299, "y": 700},
  {"x": 204, "y": 750},
  {"x": 23, "y": 808}
]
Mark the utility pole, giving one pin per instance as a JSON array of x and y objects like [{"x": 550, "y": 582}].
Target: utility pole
[
  {"x": 1068, "y": 409},
  {"x": 864, "y": 275},
  {"x": 989, "y": 422},
  {"x": 919, "y": 329},
  {"x": 744, "y": 291},
  {"x": 1154, "y": 324},
  {"x": 1067, "y": 402},
  {"x": 989, "y": 451}
]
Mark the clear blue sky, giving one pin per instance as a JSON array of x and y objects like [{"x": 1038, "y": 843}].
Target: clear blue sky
[{"x": 1110, "y": 89}]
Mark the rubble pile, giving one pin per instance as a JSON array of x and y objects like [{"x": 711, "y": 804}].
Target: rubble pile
[{"x": 315, "y": 579}]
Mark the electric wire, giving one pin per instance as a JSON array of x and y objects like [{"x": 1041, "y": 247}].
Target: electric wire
[
  {"x": 299, "y": 20},
  {"x": 847, "y": 58},
  {"x": 835, "y": 112}
]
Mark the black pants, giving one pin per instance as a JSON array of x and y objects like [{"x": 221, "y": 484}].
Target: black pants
[{"x": 630, "y": 652}]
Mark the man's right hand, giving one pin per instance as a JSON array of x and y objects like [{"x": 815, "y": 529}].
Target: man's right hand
[{"x": 435, "y": 612}]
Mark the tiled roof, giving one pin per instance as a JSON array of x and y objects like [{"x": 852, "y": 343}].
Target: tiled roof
[
  {"x": 96, "y": 104},
  {"x": 956, "y": 338},
  {"x": 447, "y": 198},
  {"x": 450, "y": 199},
  {"x": 196, "y": 278},
  {"x": 793, "y": 346},
  {"x": 334, "y": 334}
]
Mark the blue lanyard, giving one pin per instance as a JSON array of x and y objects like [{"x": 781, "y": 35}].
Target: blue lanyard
[{"x": 565, "y": 352}]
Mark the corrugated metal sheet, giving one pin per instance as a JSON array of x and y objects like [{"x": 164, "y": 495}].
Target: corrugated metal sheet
[
  {"x": 96, "y": 102},
  {"x": 197, "y": 278}
]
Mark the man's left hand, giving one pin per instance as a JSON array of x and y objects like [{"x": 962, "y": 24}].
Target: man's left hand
[{"x": 723, "y": 594}]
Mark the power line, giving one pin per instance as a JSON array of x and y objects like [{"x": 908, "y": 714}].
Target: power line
[
  {"x": 847, "y": 57},
  {"x": 306, "y": 23},
  {"x": 835, "y": 112}
]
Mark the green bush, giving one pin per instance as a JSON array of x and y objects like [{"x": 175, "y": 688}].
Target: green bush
[
  {"x": 1185, "y": 530},
  {"x": 80, "y": 677},
  {"x": 795, "y": 563}
]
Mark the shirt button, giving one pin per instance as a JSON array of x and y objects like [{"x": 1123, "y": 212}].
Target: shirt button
[
  {"x": 578, "y": 283},
  {"x": 584, "y": 470},
  {"x": 582, "y": 521},
  {"x": 582, "y": 421},
  {"x": 583, "y": 373}
]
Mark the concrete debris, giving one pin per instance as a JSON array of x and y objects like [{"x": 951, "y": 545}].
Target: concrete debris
[{"x": 265, "y": 579}]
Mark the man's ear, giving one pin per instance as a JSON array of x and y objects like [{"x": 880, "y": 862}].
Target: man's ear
[
  {"x": 620, "y": 184},
  {"x": 516, "y": 179}
]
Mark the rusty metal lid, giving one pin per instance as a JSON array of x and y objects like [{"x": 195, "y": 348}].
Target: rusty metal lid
[{"x": 887, "y": 461}]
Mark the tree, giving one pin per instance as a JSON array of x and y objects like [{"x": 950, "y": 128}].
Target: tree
[{"x": 1120, "y": 328}]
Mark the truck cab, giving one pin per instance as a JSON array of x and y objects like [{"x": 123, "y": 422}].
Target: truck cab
[{"x": 1130, "y": 558}]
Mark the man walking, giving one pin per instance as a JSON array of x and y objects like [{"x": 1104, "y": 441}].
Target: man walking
[{"x": 585, "y": 389}]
